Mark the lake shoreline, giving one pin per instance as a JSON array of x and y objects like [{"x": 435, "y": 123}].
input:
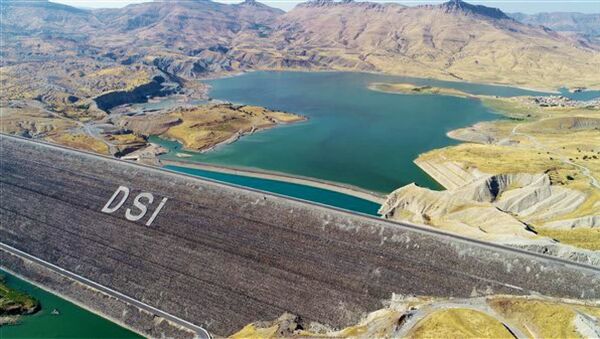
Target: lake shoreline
[
  {"x": 70, "y": 300},
  {"x": 526, "y": 88},
  {"x": 240, "y": 134},
  {"x": 308, "y": 94},
  {"x": 357, "y": 192},
  {"x": 411, "y": 89}
]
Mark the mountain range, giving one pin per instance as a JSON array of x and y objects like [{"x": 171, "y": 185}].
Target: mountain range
[
  {"x": 586, "y": 24},
  {"x": 58, "y": 48}
]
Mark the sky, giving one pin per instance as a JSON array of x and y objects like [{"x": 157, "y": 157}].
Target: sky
[{"x": 525, "y": 6}]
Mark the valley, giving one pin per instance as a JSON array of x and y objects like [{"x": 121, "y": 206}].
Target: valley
[
  {"x": 459, "y": 118},
  {"x": 106, "y": 59}
]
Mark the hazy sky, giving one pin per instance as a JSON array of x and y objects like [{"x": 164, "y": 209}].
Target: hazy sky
[{"x": 526, "y": 6}]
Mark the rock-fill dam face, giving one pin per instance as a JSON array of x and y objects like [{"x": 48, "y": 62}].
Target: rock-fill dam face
[{"x": 220, "y": 256}]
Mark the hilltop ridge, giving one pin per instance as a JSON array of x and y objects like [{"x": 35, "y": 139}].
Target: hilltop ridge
[
  {"x": 454, "y": 6},
  {"x": 194, "y": 39}
]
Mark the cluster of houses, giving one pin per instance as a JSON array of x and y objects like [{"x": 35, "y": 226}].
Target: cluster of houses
[{"x": 562, "y": 101}]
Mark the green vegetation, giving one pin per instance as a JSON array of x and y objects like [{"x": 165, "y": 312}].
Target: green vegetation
[{"x": 13, "y": 302}]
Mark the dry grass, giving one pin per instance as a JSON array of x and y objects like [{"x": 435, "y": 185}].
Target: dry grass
[
  {"x": 126, "y": 139},
  {"x": 541, "y": 140},
  {"x": 32, "y": 121},
  {"x": 205, "y": 126},
  {"x": 379, "y": 324},
  {"x": 494, "y": 159},
  {"x": 588, "y": 238},
  {"x": 405, "y": 88},
  {"x": 252, "y": 332},
  {"x": 536, "y": 317},
  {"x": 514, "y": 107},
  {"x": 81, "y": 141},
  {"x": 539, "y": 319},
  {"x": 118, "y": 78},
  {"x": 459, "y": 323}
]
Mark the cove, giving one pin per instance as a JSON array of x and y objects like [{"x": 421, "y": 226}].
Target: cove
[{"x": 354, "y": 135}]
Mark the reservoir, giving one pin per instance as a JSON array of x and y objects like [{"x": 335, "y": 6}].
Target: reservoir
[{"x": 354, "y": 135}]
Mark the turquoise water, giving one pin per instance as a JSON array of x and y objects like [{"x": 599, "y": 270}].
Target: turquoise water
[
  {"x": 585, "y": 95},
  {"x": 322, "y": 196},
  {"x": 72, "y": 322},
  {"x": 162, "y": 103},
  {"x": 354, "y": 135}
]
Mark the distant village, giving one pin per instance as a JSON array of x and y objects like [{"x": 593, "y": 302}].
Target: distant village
[{"x": 562, "y": 101}]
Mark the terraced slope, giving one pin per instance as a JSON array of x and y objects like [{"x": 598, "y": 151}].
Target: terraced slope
[{"x": 531, "y": 180}]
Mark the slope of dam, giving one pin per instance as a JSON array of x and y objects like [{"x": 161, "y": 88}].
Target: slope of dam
[{"x": 201, "y": 253}]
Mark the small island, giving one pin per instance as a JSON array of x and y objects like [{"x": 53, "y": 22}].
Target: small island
[
  {"x": 14, "y": 304},
  {"x": 406, "y": 88}
]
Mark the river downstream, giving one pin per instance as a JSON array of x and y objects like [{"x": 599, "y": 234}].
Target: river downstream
[{"x": 70, "y": 320}]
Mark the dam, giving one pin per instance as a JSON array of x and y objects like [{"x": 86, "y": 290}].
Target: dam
[{"x": 167, "y": 254}]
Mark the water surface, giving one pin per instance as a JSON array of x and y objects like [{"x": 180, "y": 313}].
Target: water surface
[
  {"x": 72, "y": 322},
  {"x": 293, "y": 190},
  {"x": 354, "y": 135},
  {"x": 583, "y": 95}
]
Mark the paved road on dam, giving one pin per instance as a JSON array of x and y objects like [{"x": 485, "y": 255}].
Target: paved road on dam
[
  {"x": 219, "y": 256},
  {"x": 201, "y": 333}
]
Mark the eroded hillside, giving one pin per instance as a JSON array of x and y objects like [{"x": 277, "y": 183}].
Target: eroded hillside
[{"x": 530, "y": 180}]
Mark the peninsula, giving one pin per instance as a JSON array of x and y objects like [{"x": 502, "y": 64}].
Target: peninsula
[
  {"x": 197, "y": 127},
  {"x": 95, "y": 63},
  {"x": 528, "y": 177}
]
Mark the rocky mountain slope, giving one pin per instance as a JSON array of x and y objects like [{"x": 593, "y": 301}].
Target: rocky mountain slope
[
  {"x": 200, "y": 38},
  {"x": 587, "y": 24},
  {"x": 453, "y": 40}
]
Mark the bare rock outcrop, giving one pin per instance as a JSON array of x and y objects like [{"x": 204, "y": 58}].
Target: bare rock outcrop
[
  {"x": 559, "y": 250},
  {"x": 587, "y": 221},
  {"x": 498, "y": 208},
  {"x": 587, "y": 326},
  {"x": 452, "y": 212},
  {"x": 530, "y": 196},
  {"x": 145, "y": 125}
]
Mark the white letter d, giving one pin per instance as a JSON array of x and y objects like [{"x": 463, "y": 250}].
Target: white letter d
[{"x": 107, "y": 208}]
